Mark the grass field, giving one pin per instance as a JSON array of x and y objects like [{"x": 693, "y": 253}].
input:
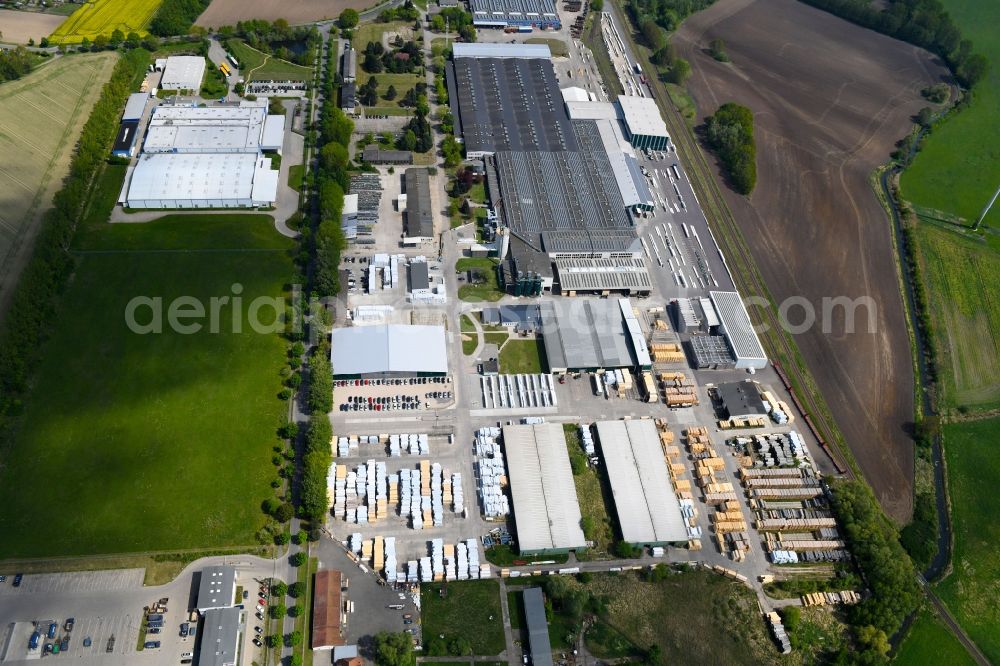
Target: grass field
[
  {"x": 957, "y": 171},
  {"x": 41, "y": 116},
  {"x": 695, "y": 617},
  {"x": 930, "y": 643},
  {"x": 523, "y": 357},
  {"x": 177, "y": 428},
  {"x": 257, "y": 66},
  {"x": 488, "y": 290},
  {"x": 556, "y": 46},
  {"x": 963, "y": 282},
  {"x": 296, "y": 173},
  {"x": 102, "y": 17},
  {"x": 972, "y": 591},
  {"x": 465, "y": 612},
  {"x": 590, "y": 495},
  {"x": 372, "y": 32}
]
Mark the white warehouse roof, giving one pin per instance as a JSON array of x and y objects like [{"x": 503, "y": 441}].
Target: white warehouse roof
[
  {"x": 183, "y": 73},
  {"x": 135, "y": 105},
  {"x": 738, "y": 329},
  {"x": 397, "y": 348},
  {"x": 642, "y": 115},
  {"x": 647, "y": 507},
  {"x": 486, "y": 50},
  {"x": 274, "y": 133},
  {"x": 575, "y": 94},
  {"x": 225, "y": 129},
  {"x": 191, "y": 180},
  {"x": 546, "y": 510}
]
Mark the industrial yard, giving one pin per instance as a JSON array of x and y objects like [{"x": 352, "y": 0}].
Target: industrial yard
[
  {"x": 645, "y": 349},
  {"x": 543, "y": 430}
]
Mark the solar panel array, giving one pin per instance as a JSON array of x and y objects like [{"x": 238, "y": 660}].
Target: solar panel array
[{"x": 511, "y": 104}]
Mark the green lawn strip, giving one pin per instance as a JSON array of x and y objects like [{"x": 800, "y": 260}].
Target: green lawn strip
[
  {"x": 515, "y": 607},
  {"x": 971, "y": 591},
  {"x": 178, "y": 427},
  {"x": 469, "y": 343},
  {"x": 495, "y": 338},
  {"x": 464, "y": 612},
  {"x": 296, "y": 173},
  {"x": 594, "y": 40},
  {"x": 477, "y": 193},
  {"x": 556, "y": 46},
  {"x": 488, "y": 290},
  {"x": 930, "y": 643},
  {"x": 962, "y": 276},
  {"x": 956, "y": 171},
  {"x": 302, "y": 622},
  {"x": 594, "y": 505},
  {"x": 177, "y": 231},
  {"x": 525, "y": 357},
  {"x": 466, "y": 325},
  {"x": 247, "y": 56}
]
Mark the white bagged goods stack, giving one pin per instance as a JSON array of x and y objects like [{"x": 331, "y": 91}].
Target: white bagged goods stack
[
  {"x": 457, "y": 500},
  {"x": 485, "y": 571},
  {"x": 394, "y": 446},
  {"x": 411, "y": 572},
  {"x": 352, "y": 515},
  {"x": 415, "y": 500},
  {"x": 362, "y": 515},
  {"x": 424, "y": 445},
  {"x": 355, "y": 543},
  {"x": 437, "y": 503},
  {"x": 426, "y": 574},
  {"x": 437, "y": 558},
  {"x": 472, "y": 545},
  {"x": 370, "y": 483},
  {"x": 491, "y": 469},
  {"x": 797, "y": 445},
  {"x": 390, "y": 559},
  {"x": 413, "y": 445},
  {"x": 343, "y": 447},
  {"x": 360, "y": 480},
  {"x": 463, "y": 562},
  {"x": 587, "y": 439},
  {"x": 784, "y": 557},
  {"x": 449, "y": 568},
  {"x": 404, "y": 492}
]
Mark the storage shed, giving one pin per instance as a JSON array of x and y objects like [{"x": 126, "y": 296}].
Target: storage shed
[{"x": 546, "y": 510}]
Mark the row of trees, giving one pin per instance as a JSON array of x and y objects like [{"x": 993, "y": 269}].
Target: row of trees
[
  {"x": 43, "y": 280},
  {"x": 175, "y": 17},
  {"x": 730, "y": 134},
  {"x": 881, "y": 559},
  {"x": 667, "y": 14},
  {"x": 405, "y": 12},
  {"x": 15, "y": 63},
  {"x": 925, "y": 23}
]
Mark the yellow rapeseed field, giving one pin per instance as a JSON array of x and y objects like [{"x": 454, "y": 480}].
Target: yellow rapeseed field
[{"x": 102, "y": 17}]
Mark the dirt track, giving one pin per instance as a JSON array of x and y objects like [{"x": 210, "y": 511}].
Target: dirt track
[
  {"x": 829, "y": 99},
  {"x": 228, "y": 12}
]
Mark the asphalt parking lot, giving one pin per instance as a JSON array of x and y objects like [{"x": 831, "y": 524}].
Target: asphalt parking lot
[
  {"x": 92, "y": 581},
  {"x": 367, "y": 397}
]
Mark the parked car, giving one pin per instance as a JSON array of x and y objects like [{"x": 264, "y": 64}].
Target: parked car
[
  {"x": 33, "y": 641},
  {"x": 2, "y": 578},
  {"x": 70, "y": 622},
  {"x": 153, "y": 630},
  {"x": 64, "y": 644},
  {"x": 17, "y": 580},
  {"x": 184, "y": 629},
  {"x": 151, "y": 645},
  {"x": 246, "y": 593},
  {"x": 256, "y": 641},
  {"x": 52, "y": 629},
  {"x": 258, "y": 630},
  {"x": 260, "y": 616}
]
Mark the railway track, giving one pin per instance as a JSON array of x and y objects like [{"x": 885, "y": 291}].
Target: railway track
[{"x": 748, "y": 280}]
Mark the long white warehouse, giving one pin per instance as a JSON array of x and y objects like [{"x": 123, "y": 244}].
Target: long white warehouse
[
  {"x": 546, "y": 509},
  {"x": 648, "y": 510},
  {"x": 738, "y": 329},
  {"x": 202, "y": 180}
]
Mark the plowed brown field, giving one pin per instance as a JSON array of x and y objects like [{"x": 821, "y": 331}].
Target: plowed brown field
[
  {"x": 829, "y": 99},
  {"x": 228, "y": 12}
]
